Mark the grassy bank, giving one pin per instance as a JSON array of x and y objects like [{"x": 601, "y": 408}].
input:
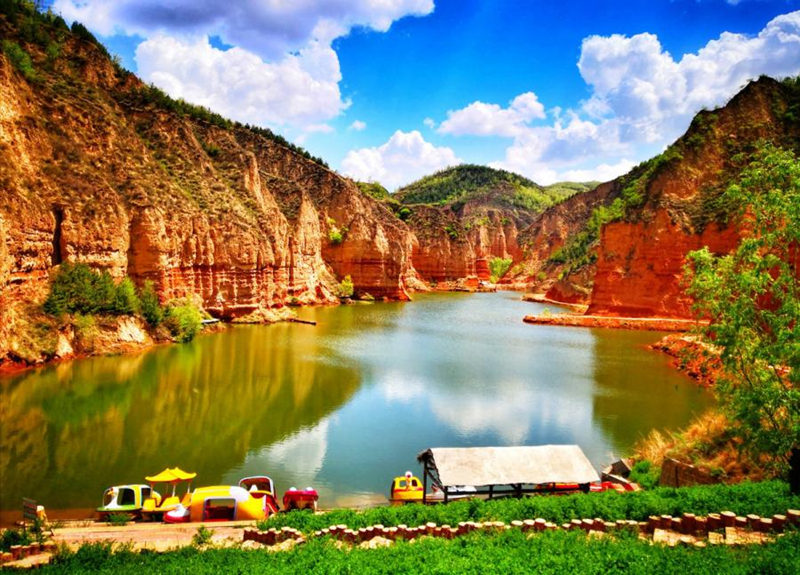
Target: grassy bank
[
  {"x": 765, "y": 498},
  {"x": 510, "y": 552}
]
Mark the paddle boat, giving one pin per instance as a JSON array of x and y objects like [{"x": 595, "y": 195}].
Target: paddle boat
[
  {"x": 300, "y": 499},
  {"x": 220, "y": 503},
  {"x": 406, "y": 489},
  {"x": 261, "y": 486},
  {"x": 154, "y": 508},
  {"x": 127, "y": 499}
]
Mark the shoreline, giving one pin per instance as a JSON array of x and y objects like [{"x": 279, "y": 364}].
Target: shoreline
[{"x": 614, "y": 322}]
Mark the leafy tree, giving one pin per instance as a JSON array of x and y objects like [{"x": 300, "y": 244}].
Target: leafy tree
[
  {"x": 498, "y": 268},
  {"x": 346, "y": 287},
  {"x": 125, "y": 299},
  {"x": 152, "y": 312},
  {"x": 752, "y": 299},
  {"x": 183, "y": 321}
]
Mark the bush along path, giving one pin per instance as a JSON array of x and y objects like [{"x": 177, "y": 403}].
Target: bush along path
[{"x": 688, "y": 529}]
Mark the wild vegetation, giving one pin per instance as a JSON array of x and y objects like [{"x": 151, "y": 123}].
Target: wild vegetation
[
  {"x": 752, "y": 299},
  {"x": 506, "y": 553},
  {"x": 455, "y": 186},
  {"x": 498, "y": 268},
  {"x": 765, "y": 498},
  {"x": 77, "y": 289},
  {"x": 712, "y": 205},
  {"x": 47, "y": 32}
]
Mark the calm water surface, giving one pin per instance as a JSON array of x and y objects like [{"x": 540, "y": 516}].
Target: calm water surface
[{"x": 343, "y": 406}]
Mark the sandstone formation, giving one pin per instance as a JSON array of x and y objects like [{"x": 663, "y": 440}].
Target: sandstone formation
[
  {"x": 635, "y": 265},
  {"x": 466, "y": 216},
  {"x": 99, "y": 168}
]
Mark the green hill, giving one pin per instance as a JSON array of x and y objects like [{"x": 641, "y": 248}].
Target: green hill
[{"x": 468, "y": 182}]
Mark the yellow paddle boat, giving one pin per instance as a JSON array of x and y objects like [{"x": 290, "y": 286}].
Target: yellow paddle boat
[
  {"x": 155, "y": 506},
  {"x": 127, "y": 499},
  {"x": 220, "y": 503},
  {"x": 261, "y": 486},
  {"x": 406, "y": 489}
]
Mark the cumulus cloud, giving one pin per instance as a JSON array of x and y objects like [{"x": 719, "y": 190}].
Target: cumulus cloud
[
  {"x": 270, "y": 29},
  {"x": 405, "y": 157},
  {"x": 642, "y": 98},
  {"x": 481, "y": 119},
  {"x": 300, "y": 90},
  {"x": 281, "y": 70},
  {"x": 358, "y": 126}
]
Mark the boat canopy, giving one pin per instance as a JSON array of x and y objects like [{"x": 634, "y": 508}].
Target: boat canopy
[
  {"x": 171, "y": 475},
  {"x": 511, "y": 468}
]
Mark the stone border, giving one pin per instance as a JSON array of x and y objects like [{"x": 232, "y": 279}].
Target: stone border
[{"x": 688, "y": 525}]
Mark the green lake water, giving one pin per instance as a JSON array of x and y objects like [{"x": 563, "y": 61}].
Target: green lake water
[{"x": 342, "y": 406}]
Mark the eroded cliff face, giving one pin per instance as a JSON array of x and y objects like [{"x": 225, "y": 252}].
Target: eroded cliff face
[
  {"x": 640, "y": 260},
  {"x": 636, "y": 265},
  {"x": 453, "y": 244},
  {"x": 94, "y": 170},
  {"x": 548, "y": 233}
]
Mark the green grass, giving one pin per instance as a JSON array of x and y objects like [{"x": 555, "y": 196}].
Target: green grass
[
  {"x": 766, "y": 498},
  {"x": 510, "y": 552}
]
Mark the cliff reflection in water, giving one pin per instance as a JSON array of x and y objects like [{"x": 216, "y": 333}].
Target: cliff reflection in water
[
  {"x": 343, "y": 406},
  {"x": 71, "y": 430}
]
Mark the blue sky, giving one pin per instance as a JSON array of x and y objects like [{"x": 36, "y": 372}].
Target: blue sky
[{"x": 389, "y": 90}]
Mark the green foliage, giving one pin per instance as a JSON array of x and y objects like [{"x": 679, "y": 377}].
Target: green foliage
[
  {"x": 202, "y": 536},
  {"x": 14, "y": 536},
  {"x": 765, "y": 498},
  {"x": 578, "y": 251},
  {"x": 453, "y": 183},
  {"x": 20, "y": 59},
  {"x": 82, "y": 32},
  {"x": 346, "y": 287},
  {"x": 118, "y": 519},
  {"x": 752, "y": 299},
  {"x": 210, "y": 149},
  {"x": 78, "y": 289},
  {"x": 183, "y": 321},
  {"x": 452, "y": 230},
  {"x": 508, "y": 553},
  {"x": 645, "y": 474},
  {"x": 498, "y": 268},
  {"x": 152, "y": 312},
  {"x": 374, "y": 190},
  {"x": 335, "y": 236},
  {"x": 126, "y": 301}
]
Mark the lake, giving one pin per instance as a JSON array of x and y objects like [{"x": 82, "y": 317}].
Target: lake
[{"x": 342, "y": 406}]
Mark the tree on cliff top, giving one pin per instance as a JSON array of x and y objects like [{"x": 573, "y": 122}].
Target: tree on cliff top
[{"x": 752, "y": 299}]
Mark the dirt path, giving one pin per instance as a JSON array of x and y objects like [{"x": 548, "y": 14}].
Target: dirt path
[{"x": 155, "y": 536}]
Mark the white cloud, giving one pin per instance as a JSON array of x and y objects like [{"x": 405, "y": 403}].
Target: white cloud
[
  {"x": 405, "y": 157},
  {"x": 642, "y": 98},
  {"x": 358, "y": 126},
  {"x": 282, "y": 70},
  {"x": 270, "y": 29},
  {"x": 429, "y": 123},
  {"x": 300, "y": 90},
  {"x": 481, "y": 119}
]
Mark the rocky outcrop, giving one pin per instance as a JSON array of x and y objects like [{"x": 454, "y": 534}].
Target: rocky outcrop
[
  {"x": 640, "y": 260},
  {"x": 458, "y": 240},
  {"x": 98, "y": 168},
  {"x": 548, "y": 233},
  {"x": 668, "y": 206}
]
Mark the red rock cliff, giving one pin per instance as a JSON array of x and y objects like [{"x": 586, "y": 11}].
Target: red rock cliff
[
  {"x": 640, "y": 259},
  {"x": 95, "y": 168}
]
